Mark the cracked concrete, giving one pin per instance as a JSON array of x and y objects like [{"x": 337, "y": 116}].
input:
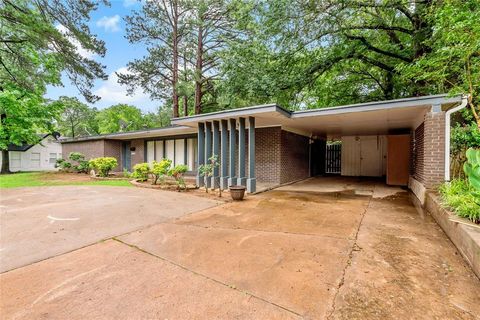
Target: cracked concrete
[{"x": 284, "y": 254}]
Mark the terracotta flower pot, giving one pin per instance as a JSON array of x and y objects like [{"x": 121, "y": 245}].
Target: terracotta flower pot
[{"x": 237, "y": 192}]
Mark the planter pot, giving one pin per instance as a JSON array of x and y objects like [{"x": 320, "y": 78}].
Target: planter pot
[{"x": 237, "y": 192}]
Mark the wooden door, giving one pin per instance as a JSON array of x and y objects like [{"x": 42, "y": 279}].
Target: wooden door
[{"x": 398, "y": 159}]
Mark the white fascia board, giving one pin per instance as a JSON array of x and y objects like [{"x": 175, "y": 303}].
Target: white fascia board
[
  {"x": 233, "y": 113},
  {"x": 380, "y": 105}
]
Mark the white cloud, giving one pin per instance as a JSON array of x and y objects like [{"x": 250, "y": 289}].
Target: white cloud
[
  {"x": 82, "y": 51},
  {"x": 128, "y": 3},
  {"x": 113, "y": 92},
  {"x": 109, "y": 23}
]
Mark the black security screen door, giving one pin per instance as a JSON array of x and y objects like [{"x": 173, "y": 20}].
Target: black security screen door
[{"x": 333, "y": 158}]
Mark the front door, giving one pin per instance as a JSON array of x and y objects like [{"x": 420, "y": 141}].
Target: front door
[{"x": 126, "y": 156}]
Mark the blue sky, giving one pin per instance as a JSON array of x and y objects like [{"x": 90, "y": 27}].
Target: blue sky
[{"x": 108, "y": 24}]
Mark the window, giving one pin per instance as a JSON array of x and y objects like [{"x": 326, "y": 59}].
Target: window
[
  {"x": 35, "y": 159},
  {"x": 15, "y": 159},
  {"x": 150, "y": 151},
  {"x": 179, "y": 151},
  {"x": 53, "y": 158}
]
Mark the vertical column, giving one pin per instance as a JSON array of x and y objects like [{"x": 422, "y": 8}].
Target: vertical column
[
  {"x": 251, "y": 181},
  {"x": 200, "y": 152},
  {"x": 223, "y": 156},
  {"x": 241, "y": 180},
  {"x": 232, "y": 180},
  {"x": 208, "y": 147},
  {"x": 434, "y": 148},
  {"x": 216, "y": 152}
]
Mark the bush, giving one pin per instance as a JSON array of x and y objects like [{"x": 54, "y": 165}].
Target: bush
[
  {"x": 103, "y": 165},
  {"x": 141, "y": 171},
  {"x": 462, "y": 199},
  {"x": 81, "y": 165},
  {"x": 63, "y": 164},
  {"x": 177, "y": 173},
  {"x": 160, "y": 170}
]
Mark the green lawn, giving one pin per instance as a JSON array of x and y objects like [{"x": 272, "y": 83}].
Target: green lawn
[{"x": 38, "y": 179}]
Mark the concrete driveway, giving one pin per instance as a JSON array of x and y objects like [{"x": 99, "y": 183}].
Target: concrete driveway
[
  {"x": 357, "y": 251},
  {"x": 41, "y": 222}
]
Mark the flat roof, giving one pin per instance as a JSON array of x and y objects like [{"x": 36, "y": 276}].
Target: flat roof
[
  {"x": 377, "y": 117},
  {"x": 137, "y": 134}
]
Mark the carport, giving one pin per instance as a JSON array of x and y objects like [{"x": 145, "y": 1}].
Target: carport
[{"x": 403, "y": 140}]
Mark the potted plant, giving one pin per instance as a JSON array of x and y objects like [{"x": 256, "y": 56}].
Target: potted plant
[{"x": 237, "y": 192}]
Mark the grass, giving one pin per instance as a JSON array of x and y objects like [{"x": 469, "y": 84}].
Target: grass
[
  {"x": 39, "y": 179},
  {"x": 462, "y": 199}
]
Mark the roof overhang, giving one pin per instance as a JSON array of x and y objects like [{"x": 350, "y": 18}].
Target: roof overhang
[
  {"x": 140, "y": 134},
  {"x": 379, "y": 117}
]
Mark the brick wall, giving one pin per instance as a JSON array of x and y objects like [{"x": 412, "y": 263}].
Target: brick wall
[
  {"x": 113, "y": 148},
  {"x": 267, "y": 154},
  {"x": 429, "y": 158},
  {"x": 91, "y": 149},
  {"x": 294, "y": 157},
  {"x": 139, "y": 156}
]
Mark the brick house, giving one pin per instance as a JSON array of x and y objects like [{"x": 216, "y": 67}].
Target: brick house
[{"x": 403, "y": 141}]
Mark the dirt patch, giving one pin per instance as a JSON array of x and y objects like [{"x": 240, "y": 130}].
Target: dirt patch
[{"x": 63, "y": 177}]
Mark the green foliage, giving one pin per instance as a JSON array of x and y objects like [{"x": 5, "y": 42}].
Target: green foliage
[
  {"x": 459, "y": 196},
  {"x": 77, "y": 119},
  {"x": 119, "y": 118},
  {"x": 37, "y": 44},
  {"x": 206, "y": 170},
  {"x": 126, "y": 173},
  {"x": 141, "y": 171},
  {"x": 160, "y": 170},
  {"x": 103, "y": 165},
  {"x": 40, "y": 179},
  {"x": 177, "y": 173},
  {"x": 472, "y": 169},
  {"x": 63, "y": 164},
  {"x": 81, "y": 165}
]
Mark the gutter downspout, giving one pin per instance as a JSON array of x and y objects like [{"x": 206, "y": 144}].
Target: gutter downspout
[{"x": 462, "y": 105}]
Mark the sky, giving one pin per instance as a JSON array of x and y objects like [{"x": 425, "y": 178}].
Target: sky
[{"x": 109, "y": 25}]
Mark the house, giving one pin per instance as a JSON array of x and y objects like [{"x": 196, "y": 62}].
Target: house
[
  {"x": 35, "y": 157},
  {"x": 405, "y": 141}
]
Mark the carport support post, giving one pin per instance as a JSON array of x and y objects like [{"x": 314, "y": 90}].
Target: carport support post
[
  {"x": 201, "y": 152},
  {"x": 216, "y": 152},
  {"x": 242, "y": 180},
  {"x": 223, "y": 157},
  {"x": 251, "y": 181},
  {"x": 232, "y": 180},
  {"x": 208, "y": 148}
]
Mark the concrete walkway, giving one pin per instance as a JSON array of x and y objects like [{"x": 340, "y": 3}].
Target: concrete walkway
[{"x": 284, "y": 254}]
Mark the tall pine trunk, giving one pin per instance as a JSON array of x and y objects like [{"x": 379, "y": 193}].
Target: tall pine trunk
[
  {"x": 199, "y": 72},
  {"x": 175, "y": 60}
]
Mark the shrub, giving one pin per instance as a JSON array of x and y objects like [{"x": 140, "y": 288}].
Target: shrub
[
  {"x": 177, "y": 173},
  {"x": 206, "y": 170},
  {"x": 82, "y": 164},
  {"x": 462, "y": 199},
  {"x": 126, "y": 173},
  {"x": 160, "y": 170},
  {"x": 472, "y": 168},
  {"x": 141, "y": 171},
  {"x": 103, "y": 165},
  {"x": 63, "y": 164}
]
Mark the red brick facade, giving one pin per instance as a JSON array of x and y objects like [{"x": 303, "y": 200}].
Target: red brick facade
[
  {"x": 429, "y": 150},
  {"x": 95, "y": 148},
  {"x": 268, "y": 154},
  {"x": 294, "y": 163}
]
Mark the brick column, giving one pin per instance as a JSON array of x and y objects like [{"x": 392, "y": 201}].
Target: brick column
[{"x": 434, "y": 149}]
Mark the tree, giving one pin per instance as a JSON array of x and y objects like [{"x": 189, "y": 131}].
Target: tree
[
  {"x": 161, "y": 25},
  {"x": 77, "y": 119},
  {"x": 23, "y": 115},
  {"x": 119, "y": 118},
  {"x": 453, "y": 64},
  {"x": 297, "y": 52},
  {"x": 213, "y": 28},
  {"x": 38, "y": 40}
]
